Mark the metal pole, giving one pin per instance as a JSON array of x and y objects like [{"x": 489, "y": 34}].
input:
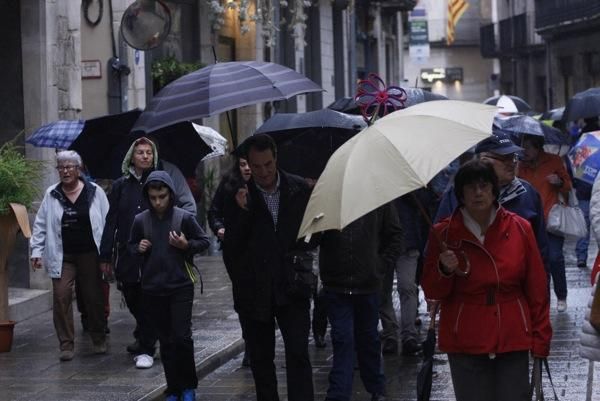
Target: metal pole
[
  {"x": 549, "y": 89},
  {"x": 400, "y": 36},
  {"x": 233, "y": 134},
  {"x": 352, "y": 50}
]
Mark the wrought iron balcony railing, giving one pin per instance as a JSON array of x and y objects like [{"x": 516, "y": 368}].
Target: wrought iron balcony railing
[{"x": 551, "y": 13}]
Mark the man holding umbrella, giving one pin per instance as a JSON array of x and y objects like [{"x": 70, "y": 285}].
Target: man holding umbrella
[
  {"x": 126, "y": 200},
  {"x": 268, "y": 212}
]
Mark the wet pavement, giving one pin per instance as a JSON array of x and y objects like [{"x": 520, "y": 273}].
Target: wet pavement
[{"x": 32, "y": 371}]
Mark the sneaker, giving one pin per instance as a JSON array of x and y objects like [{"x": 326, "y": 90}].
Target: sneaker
[
  {"x": 134, "y": 347},
  {"x": 411, "y": 347},
  {"x": 561, "y": 305},
  {"x": 188, "y": 395},
  {"x": 100, "y": 348},
  {"x": 172, "y": 397},
  {"x": 66, "y": 355},
  {"x": 143, "y": 361},
  {"x": 581, "y": 264}
]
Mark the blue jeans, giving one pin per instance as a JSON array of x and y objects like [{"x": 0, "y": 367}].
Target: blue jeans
[
  {"x": 354, "y": 320},
  {"x": 557, "y": 265},
  {"x": 581, "y": 249}
]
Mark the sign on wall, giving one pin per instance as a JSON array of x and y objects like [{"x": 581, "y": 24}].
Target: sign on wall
[
  {"x": 91, "y": 69},
  {"x": 418, "y": 36}
]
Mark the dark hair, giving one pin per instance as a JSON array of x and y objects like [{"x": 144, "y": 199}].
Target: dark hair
[
  {"x": 156, "y": 185},
  {"x": 475, "y": 171},
  {"x": 233, "y": 179},
  {"x": 259, "y": 142},
  {"x": 536, "y": 141}
]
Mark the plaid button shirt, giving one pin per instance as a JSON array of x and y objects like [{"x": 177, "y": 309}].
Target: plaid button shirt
[{"x": 272, "y": 200}]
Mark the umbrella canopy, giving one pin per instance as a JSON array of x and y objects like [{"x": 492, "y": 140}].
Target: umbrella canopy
[
  {"x": 554, "y": 114},
  {"x": 519, "y": 125},
  {"x": 58, "y": 134},
  {"x": 585, "y": 158},
  {"x": 221, "y": 87},
  {"x": 503, "y": 101},
  {"x": 414, "y": 96},
  {"x": 584, "y": 104},
  {"x": 183, "y": 144},
  {"x": 396, "y": 155},
  {"x": 306, "y": 141}
]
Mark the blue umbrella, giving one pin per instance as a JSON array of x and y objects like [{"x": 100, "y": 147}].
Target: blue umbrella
[
  {"x": 58, "y": 134},
  {"x": 585, "y": 157}
]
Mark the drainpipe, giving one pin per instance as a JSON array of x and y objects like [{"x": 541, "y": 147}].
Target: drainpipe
[
  {"x": 400, "y": 36},
  {"x": 352, "y": 50}
]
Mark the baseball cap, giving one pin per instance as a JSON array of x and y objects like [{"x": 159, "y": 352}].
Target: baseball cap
[{"x": 499, "y": 143}]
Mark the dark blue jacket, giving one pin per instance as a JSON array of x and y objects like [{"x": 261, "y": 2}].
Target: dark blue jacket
[
  {"x": 527, "y": 205},
  {"x": 163, "y": 265}
]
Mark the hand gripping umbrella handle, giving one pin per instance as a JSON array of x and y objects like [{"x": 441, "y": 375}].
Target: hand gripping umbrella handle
[{"x": 443, "y": 246}]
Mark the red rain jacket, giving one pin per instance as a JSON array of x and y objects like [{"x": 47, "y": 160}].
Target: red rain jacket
[{"x": 503, "y": 304}]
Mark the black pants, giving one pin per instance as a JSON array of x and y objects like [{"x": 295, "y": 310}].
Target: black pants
[
  {"x": 294, "y": 323},
  {"x": 144, "y": 331},
  {"x": 319, "y": 320},
  {"x": 479, "y": 377},
  {"x": 171, "y": 316}
]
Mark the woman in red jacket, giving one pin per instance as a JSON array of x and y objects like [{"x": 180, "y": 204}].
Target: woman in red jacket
[{"x": 483, "y": 265}]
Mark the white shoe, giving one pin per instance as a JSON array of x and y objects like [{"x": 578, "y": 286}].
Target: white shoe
[
  {"x": 143, "y": 361},
  {"x": 561, "y": 305}
]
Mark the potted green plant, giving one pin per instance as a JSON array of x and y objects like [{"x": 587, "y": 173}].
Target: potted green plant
[{"x": 18, "y": 189}]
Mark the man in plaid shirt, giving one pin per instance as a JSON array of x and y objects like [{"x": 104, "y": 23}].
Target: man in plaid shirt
[{"x": 267, "y": 215}]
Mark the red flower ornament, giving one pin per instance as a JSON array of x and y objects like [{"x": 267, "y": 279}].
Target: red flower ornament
[{"x": 376, "y": 100}]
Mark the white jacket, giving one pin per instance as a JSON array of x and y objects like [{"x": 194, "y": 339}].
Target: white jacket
[
  {"x": 589, "y": 338},
  {"x": 46, "y": 241},
  {"x": 595, "y": 209}
]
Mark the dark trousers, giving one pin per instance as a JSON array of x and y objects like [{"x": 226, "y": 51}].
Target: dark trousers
[
  {"x": 83, "y": 269},
  {"x": 354, "y": 320},
  {"x": 556, "y": 259},
  {"x": 319, "y": 319},
  {"x": 144, "y": 331},
  {"x": 294, "y": 323},
  {"x": 171, "y": 316},
  {"x": 478, "y": 377}
]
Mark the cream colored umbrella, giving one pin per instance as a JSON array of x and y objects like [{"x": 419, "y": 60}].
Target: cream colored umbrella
[{"x": 399, "y": 153}]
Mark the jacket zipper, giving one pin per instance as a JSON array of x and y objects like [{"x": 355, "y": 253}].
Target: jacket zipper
[
  {"x": 523, "y": 315},
  {"x": 462, "y": 304}
]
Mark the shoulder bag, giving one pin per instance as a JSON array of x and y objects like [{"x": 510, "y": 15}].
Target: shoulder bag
[{"x": 566, "y": 218}]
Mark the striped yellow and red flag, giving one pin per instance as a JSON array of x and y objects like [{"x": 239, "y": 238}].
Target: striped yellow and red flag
[{"x": 456, "y": 9}]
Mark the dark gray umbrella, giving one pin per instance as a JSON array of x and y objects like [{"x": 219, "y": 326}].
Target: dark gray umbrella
[
  {"x": 414, "y": 96},
  {"x": 306, "y": 141},
  {"x": 519, "y": 125},
  {"x": 522, "y": 105},
  {"x": 221, "y": 87},
  {"x": 584, "y": 104}
]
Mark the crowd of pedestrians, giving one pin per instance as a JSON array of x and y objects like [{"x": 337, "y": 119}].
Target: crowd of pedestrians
[{"x": 487, "y": 262}]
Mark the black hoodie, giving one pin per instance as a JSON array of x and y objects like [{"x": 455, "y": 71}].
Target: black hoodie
[{"x": 163, "y": 265}]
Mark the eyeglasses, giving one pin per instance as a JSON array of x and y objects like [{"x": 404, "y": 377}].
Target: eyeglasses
[
  {"x": 69, "y": 167},
  {"x": 510, "y": 159}
]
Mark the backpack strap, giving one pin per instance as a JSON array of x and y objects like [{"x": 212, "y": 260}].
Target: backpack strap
[
  {"x": 147, "y": 224},
  {"x": 191, "y": 269},
  {"x": 177, "y": 219}
]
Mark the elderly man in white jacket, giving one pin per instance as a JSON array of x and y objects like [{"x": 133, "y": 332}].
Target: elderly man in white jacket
[{"x": 66, "y": 237}]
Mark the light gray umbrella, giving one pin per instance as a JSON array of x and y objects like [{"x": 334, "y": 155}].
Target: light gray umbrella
[{"x": 221, "y": 87}]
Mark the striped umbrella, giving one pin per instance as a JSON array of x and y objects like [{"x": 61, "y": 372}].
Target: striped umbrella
[
  {"x": 221, "y": 87},
  {"x": 58, "y": 134}
]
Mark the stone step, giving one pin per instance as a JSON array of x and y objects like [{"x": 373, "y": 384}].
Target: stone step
[{"x": 24, "y": 303}]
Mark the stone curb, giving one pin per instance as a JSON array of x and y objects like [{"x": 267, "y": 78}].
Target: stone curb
[{"x": 204, "y": 367}]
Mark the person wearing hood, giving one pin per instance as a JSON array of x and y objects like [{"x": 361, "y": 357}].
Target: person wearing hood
[
  {"x": 126, "y": 201},
  {"x": 163, "y": 241}
]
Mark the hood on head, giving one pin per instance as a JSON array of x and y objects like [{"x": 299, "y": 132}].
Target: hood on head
[
  {"x": 125, "y": 166},
  {"x": 162, "y": 176}
]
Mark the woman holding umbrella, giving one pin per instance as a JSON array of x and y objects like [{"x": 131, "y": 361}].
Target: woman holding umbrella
[{"x": 484, "y": 266}]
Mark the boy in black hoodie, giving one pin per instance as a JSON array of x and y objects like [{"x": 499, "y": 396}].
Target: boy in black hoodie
[{"x": 166, "y": 238}]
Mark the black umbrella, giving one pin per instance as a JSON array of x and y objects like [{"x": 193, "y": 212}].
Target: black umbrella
[
  {"x": 414, "y": 96},
  {"x": 584, "y": 104},
  {"x": 425, "y": 375},
  {"x": 99, "y": 138},
  {"x": 521, "y": 105},
  {"x": 554, "y": 114},
  {"x": 182, "y": 144},
  {"x": 306, "y": 141}
]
